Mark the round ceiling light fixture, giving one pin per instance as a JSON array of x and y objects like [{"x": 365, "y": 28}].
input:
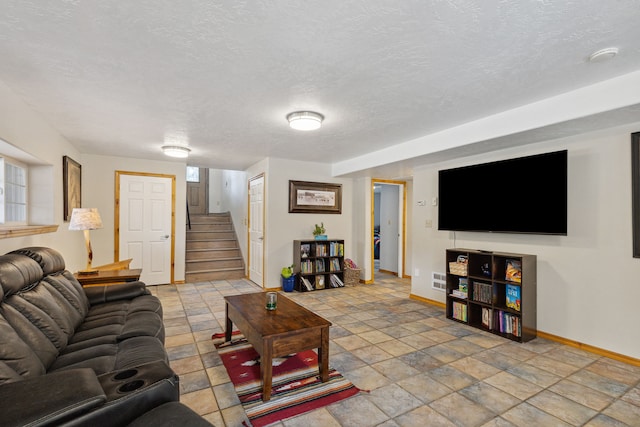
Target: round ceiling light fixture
[
  {"x": 179, "y": 151},
  {"x": 603, "y": 54},
  {"x": 305, "y": 120}
]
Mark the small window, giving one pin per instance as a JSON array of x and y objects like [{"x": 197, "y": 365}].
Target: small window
[
  {"x": 193, "y": 174},
  {"x": 13, "y": 192}
]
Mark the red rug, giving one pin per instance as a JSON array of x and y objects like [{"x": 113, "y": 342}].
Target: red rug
[{"x": 296, "y": 385}]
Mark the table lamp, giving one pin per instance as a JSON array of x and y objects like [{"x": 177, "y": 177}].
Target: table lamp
[{"x": 86, "y": 219}]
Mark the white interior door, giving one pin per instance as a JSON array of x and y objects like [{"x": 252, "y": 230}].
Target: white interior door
[
  {"x": 256, "y": 230},
  {"x": 145, "y": 222}
]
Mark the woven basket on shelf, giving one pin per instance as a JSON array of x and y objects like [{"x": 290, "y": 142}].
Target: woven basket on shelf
[
  {"x": 351, "y": 276},
  {"x": 458, "y": 268}
]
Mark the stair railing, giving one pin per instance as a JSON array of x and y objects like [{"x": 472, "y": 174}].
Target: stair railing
[{"x": 188, "y": 217}]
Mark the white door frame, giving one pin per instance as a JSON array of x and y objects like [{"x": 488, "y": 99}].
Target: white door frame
[
  {"x": 402, "y": 224},
  {"x": 116, "y": 236}
]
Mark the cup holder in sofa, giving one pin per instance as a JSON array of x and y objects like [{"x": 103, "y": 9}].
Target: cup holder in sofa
[
  {"x": 131, "y": 381},
  {"x": 130, "y": 386},
  {"x": 123, "y": 375}
]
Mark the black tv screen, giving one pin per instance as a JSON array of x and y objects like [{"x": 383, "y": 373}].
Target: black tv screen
[{"x": 522, "y": 195}]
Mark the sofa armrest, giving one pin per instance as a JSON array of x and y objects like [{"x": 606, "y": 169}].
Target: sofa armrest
[
  {"x": 120, "y": 291},
  {"x": 50, "y": 399}
]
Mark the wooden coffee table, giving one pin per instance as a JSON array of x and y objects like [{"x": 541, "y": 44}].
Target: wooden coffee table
[{"x": 289, "y": 329}]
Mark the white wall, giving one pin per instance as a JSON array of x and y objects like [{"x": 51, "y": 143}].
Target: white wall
[
  {"x": 282, "y": 227},
  {"x": 408, "y": 250},
  {"x": 25, "y": 129},
  {"x": 362, "y": 247},
  {"x": 216, "y": 190},
  {"x": 98, "y": 191},
  {"x": 587, "y": 288},
  {"x": 234, "y": 200}
]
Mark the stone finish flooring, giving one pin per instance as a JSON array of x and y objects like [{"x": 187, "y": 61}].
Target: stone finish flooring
[{"x": 420, "y": 368}]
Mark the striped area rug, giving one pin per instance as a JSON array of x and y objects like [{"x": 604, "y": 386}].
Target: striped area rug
[{"x": 296, "y": 385}]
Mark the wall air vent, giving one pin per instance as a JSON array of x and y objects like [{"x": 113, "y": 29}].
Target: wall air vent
[{"x": 438, "y": 281}]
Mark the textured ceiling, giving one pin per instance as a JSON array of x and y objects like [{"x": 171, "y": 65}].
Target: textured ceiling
[{"x": 124, "y": 77}]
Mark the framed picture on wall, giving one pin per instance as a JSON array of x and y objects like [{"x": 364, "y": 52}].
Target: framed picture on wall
[
  {"x": 71, "y": 185},
  {"x": 315, "y": 197}
]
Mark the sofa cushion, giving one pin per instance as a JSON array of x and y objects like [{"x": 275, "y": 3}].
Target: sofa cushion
[
  {"x": 50, "y": 260},
  {"x": 17, "y": 274},
  {"x": 30, "y": 310},
  {"x": 109, "y": 357},
  {"x": 68, "y": 288},
  {"x": 123, "y": 325},
  {"x": 31, "y": 335},
  {"x": 52, "y": 266},
  {"x": 17, "y": 359}
]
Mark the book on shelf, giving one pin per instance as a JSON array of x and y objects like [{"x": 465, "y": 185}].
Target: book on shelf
[
  {"x": 319, "y": 282},
  {"x": 306, "y": 266},
  {"x": 321, "y": 250},
  {"x": 336, "y": 249},
  {"x": 307, "y": 284},
  {"x": 458, "y": 294},
  {"x": 513, "y": 271},
  {"x": 507, "y": 323},
  {"x": 334, "y": 265},
  {"x": 513, "y": 295},
  {"x": 482, "y": 292},
  {"x": 335, "y": 282},
  {"x": 320, "y": 266},
  {"x": 487, "y": 318},
  {"x": 463, "y": 285},
  {"x": 459, "y": 311}
]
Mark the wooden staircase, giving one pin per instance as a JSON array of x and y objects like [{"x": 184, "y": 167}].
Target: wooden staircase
[{"x": 212, "y": 249}]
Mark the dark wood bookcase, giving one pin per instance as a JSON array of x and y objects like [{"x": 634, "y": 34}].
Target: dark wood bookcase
[
  {"x": 487, "y": 286},
  {"x": 320, "y": 262}
]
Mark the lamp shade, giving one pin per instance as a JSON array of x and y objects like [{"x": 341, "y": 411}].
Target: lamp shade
[{"x": 85, "y": 219}]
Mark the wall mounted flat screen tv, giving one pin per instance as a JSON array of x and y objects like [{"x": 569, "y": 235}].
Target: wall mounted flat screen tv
[{"x": 522, "y": 195}]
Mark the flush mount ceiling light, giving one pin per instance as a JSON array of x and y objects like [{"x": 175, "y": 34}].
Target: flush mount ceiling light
[
  {"x": 603, "y": 54},
  {"x": 305, "y": 120},
  {"x": 179, "y": 151}
]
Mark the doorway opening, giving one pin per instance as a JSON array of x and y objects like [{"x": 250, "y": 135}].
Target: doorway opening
[{"x": 388, "y": 227}]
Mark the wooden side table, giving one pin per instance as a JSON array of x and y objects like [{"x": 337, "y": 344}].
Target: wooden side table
[{"x": 109, "y": 277}]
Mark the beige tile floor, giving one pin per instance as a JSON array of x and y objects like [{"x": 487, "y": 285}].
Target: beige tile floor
[{"x": 420, "y": 368}]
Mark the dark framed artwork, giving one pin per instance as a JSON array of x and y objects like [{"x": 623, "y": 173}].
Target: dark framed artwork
[
  {"x": 71, "y": 185},
  {"x": 635, "y": 192},
  {"x": 315, "y": 197}
]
